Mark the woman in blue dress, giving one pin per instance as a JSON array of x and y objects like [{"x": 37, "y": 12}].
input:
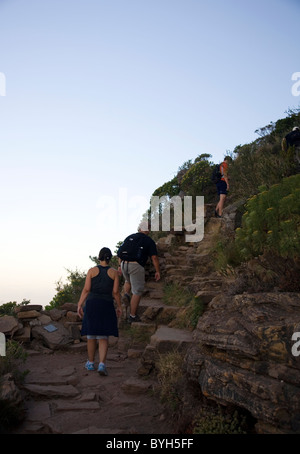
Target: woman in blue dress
[{"x": 99, "y": 314}]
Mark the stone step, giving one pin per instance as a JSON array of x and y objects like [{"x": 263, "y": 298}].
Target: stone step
[
  {"x": 59, "y": 377},
  {"x": 159, "y": 315},
  {"x": 137, "y": 386},
  {"x": 144, "y": 327},
  {"x": 50, "y": 391},
  {"x": 147, "y": 303},
  {"x": 166, "y": 339},
  {"x": 75, "y": 405}
]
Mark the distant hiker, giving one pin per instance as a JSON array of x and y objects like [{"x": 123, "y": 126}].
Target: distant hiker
[
  {"x": 292, "y": 139},
  {"x": 99, "y": 314},
  {"x": 133, "y": 255},
  {"x": 222, "y": 186}
]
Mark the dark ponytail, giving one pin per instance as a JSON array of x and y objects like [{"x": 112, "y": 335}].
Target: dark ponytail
[{"x": 105, "y": 254}]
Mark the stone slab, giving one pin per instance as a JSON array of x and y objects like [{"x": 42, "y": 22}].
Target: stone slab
[{"x": 165, "y": 339}]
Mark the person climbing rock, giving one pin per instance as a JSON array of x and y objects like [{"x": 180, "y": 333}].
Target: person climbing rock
[
  {"x": 222, "y": 187},
  {"x": 133, "y": 255},
  {"x": 292, "y": 139}
]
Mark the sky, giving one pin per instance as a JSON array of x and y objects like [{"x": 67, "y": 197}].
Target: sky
[{"x": 101, "y": 101}]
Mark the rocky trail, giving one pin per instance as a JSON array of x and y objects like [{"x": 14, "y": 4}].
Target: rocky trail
[
  {"x": 240, "y": 355},
  {"x": 62, "y": 397}
]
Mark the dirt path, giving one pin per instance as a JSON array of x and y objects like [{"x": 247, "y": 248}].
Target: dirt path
[{"x": 62, "y": 397}]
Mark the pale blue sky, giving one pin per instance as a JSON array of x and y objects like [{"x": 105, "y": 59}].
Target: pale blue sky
[{"x": 105, "y": 99}]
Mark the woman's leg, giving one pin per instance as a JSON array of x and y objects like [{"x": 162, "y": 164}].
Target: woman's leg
[
  {"x": 91, "y": 349},
  {"x": 103, "y": 348}
]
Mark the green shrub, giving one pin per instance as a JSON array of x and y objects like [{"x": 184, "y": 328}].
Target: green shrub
[
  {"x": 15, "y": 354},
  {"x": 9, "y": 308},
  {"x": 176, "y": 295},
  {"x": 272, "y": 221},
  {"x": 209, "y": 421},
  {"x": 197, "y": 178},
  {"x": 170, "y": 373},
  {"x": 192, "y": 307}
]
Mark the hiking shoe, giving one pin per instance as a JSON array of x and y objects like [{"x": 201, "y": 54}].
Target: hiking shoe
[
  {"x": 102, "y": 369},
  {"x": 132, "y": 319},
  {"x": 89, "y": 366},
  {"x": 217, "y": 215}
]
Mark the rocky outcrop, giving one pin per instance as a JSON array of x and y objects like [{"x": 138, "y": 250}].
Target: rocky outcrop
[{"x": 242, "y": 355}]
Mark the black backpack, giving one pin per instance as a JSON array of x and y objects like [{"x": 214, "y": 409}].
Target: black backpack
[
  {"x": 132, "y": 249},
  {"x": 216, "y": 175},
  {"x": 293, "y": 138}
]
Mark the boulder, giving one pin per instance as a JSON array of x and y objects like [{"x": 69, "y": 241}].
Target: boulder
[
  {"x": 56, "y": 314},
  {"x": 55, "y": 340},
  {"x": 44, "y": 319},
  {"x": 28, "y": 314},
  {"x": 8, "y": 325}
]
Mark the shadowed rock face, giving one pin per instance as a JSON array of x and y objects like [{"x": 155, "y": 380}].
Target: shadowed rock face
[{"x": 243, "y": 356}]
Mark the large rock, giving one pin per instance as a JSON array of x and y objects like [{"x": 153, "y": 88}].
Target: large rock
[
  {"x": 55, "y": 340},
  {"x": 243, "y": 356},
  {"x": 56, "y": 314},
  {"x": 8, "y": 325},
  {"x": 28, "y": 314}
]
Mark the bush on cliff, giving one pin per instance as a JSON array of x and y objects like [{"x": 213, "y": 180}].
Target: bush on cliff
[{"x": 272, "y": 221}]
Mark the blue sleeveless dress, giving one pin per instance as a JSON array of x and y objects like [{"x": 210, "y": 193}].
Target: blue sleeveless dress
[{"x": 100, "y": 317}]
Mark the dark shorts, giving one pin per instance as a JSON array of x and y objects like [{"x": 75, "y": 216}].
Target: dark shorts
[{"x": 222, "y": 187}]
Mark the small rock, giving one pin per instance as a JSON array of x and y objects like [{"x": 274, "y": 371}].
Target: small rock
[{"x": 45, "y": 319}]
